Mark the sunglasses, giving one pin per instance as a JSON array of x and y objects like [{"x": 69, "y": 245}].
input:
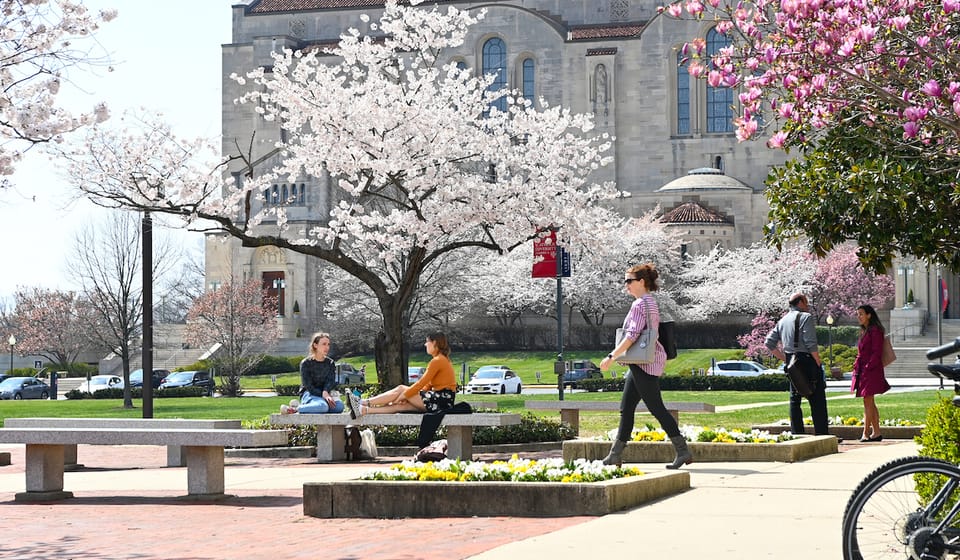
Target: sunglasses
[{"x": 627, "y": 281}]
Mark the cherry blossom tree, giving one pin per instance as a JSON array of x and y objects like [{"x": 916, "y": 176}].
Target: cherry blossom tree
[
  {"x": 51, "y": 323},
  {"x": 421, "y": 163},
  {"x": 241, "y": 319},
  {"x": 871, "y": 93},
  {"x": 841, "y": 284},
  {"x": 40, "y": 40}
]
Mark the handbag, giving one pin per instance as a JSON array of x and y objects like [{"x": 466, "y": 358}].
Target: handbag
[
  {"x": 887, "y": 356},
  {"x": 795, "y": 369},
  {"x": 644, "y": 348}
]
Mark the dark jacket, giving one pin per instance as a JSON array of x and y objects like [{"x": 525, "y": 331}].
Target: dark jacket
[{"x": 317, "y": 377}]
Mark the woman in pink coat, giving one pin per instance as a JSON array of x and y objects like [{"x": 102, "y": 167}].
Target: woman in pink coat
[{"x": 868, "y": 378}]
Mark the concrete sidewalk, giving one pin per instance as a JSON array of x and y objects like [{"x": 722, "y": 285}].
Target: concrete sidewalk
[{"x": 125, "y": 507}]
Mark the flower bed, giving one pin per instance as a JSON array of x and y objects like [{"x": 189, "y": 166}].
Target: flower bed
[
  {"x": 851, "y": 428},
  {"x": 708, "y": 445},
  {"x": 548, "y": 488}
]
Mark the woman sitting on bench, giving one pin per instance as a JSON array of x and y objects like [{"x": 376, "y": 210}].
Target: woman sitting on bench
[{"x": 435, "y": 391}]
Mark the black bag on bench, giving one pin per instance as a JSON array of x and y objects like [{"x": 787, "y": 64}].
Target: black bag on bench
[{"x": 431, "y": 422}]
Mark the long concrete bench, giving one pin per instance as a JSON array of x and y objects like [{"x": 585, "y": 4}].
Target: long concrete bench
[
  {"x": 203, "y": 449},
  {"x": 570, "y": 410},
  {"x": 330, "y": 433},
  {"x": 175, "y": 457}
]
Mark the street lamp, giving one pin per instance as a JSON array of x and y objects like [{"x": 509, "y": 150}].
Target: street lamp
[
  {"x": 13, "y": 342},
  {"x": 279, "y": 284},
  {"x": 830, "y": 337}
]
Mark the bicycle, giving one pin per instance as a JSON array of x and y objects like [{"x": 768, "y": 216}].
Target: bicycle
[{"x": 908, "y": 507}]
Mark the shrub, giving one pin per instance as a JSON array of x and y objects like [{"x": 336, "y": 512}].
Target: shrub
[
  {"x": 274, "y": 364},
  {"x": 137, "y": 393},
  {"x": 939, "y": 439},
  {"x": 687, "y": 382}
]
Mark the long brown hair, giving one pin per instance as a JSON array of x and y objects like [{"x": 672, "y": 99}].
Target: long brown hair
[{"x": 440, "y": 341}]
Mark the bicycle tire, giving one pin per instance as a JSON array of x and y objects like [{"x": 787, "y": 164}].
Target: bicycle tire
[{"x": 881, "y": 520}]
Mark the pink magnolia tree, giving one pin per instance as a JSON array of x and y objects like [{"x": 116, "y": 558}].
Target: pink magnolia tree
[
  {"x": 841, "y": 284},
  {"x": 802, "y": 65},
  {"x": 240, "y": 319},
  {"x": 50, "y": 323},
  {"x": 40, "y": 40}
]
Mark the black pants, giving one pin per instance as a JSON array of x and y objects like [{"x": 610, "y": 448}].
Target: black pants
[
  {"x": 818, "y": 400},
  {"x": 639, "y": 385}
]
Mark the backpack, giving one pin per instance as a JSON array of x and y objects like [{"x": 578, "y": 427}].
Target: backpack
[{"x": 667, "y": 336}]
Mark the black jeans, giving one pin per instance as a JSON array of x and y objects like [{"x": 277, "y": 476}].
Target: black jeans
[
  {"x": 639, "y": 385},
  {"x": 818, "y": 400}
]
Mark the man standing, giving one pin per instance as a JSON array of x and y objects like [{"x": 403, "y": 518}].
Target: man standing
[{"x": 784, "y": 341}]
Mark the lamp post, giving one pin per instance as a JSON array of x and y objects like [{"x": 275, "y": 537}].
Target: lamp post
[
  {"x": 13, "y": 342},
  {"x": 279, "y": 284},
  {"x": 830, "y": 337}
]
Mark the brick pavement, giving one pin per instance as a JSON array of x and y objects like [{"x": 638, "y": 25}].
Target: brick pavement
[{"x": 255, "y": 524}]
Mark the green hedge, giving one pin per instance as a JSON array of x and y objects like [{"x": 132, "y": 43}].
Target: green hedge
[
  {"x": 773, "y": 382},
  {"x": 137, "y": 393},
  {"x": 531, "y": 429}
]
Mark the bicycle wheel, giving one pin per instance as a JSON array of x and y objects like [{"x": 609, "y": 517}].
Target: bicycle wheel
[{"x": 894, "y": 511}]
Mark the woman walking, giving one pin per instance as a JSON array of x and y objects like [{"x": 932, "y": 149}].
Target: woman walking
[
  {"x": 642, "y": 382},
  {"x": 868, "y": 376}
]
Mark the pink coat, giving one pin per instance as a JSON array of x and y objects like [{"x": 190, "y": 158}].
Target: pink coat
[{"x": 868, "y": 377}]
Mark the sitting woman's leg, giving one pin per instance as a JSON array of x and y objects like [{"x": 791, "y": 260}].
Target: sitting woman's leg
[
  {"x": 385, "y": 397},
  {"x": 310, "y": 404},
  {"x": 412, "y": 404}
]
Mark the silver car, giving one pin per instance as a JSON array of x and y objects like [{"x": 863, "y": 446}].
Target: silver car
[{"x": 17, "y": 388}]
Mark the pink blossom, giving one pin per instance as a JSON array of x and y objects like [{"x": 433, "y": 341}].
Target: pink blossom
[
  {"x": 900, "y": 22},
  {"x": 694, "y": 7},
  {"x": 950, "y": 6},
  {"x": 910, "y": 129},
  {"x": 931, "y": 88},
  {"x": 786, "y": 110},
  {"x": 777, "y": 140},
  {"x": 714, "y": 78},
  {"x": 675, "y": 10}
]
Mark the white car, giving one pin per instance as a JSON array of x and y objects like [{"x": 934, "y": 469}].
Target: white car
[
  {"x": 494, "y": 381},
  {"x": 100, "y": 382},
  {"x": 739, "y": 368}
]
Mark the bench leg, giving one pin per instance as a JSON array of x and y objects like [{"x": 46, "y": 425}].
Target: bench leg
[
  {"x": 44, "y": 473},
  {"x": 175, "y": 456},
  {"x": 571, "y": 416},
  {"x": 70, "y": 457},
  {"x": 204, "y": 470},
  {"x": 330, "y": 442},
  {"x": 460, "y": 442}
]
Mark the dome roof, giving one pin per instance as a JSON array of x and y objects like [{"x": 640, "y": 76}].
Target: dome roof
[
  {"x": 693, "y": 213},
  {"x": 704, "y": 178}
]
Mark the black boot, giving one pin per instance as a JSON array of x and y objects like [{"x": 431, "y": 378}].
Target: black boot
[
  {"x": 684, "y": 457},
  {"x": 615, "y": 457}
]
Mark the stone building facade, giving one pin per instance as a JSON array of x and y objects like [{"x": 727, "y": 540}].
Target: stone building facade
[{"x": 615, "y": 58}]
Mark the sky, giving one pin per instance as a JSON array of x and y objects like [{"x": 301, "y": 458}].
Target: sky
[{"x": 166, "y": 58}]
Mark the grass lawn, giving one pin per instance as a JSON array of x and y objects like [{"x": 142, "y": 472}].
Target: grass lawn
[{"x": 773, "y": 407}]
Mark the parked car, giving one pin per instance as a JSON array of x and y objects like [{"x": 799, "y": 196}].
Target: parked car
[
  {"x": 101, "y": 382},
  {"x": 136, "y": 377},
  {"x": 23, "y": 388},
  {"x": 578, "y": 370},
  {"x": 349, "y": 375},
  {"x": 190, "y": 379},
  {"x": 414, "y": 373},
  {"x": 494, "y": 381},
  {"x": 740, "y": 368}
]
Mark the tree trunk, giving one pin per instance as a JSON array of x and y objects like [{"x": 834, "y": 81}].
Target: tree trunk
[{"x": 390, "y": 347}]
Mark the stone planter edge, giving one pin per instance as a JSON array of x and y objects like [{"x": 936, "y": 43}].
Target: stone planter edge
[
  {"x": 399, "y": 499},
  {"x": 802, "y": 448}
]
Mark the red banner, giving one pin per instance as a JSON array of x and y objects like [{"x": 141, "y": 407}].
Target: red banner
[{"x": 545, "y": 256}]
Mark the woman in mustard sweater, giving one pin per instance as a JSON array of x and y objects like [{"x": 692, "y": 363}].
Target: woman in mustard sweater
[{"x": 435, "y": 390}]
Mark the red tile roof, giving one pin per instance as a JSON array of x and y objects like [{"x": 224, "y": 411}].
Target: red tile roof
[{"x": 693, "y": 213}]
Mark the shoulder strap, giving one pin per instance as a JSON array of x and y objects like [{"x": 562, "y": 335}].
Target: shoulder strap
[{"x": 796, "y": 333}]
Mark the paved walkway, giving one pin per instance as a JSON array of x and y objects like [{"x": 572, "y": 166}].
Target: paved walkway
[{"x": 125, "y": 508}]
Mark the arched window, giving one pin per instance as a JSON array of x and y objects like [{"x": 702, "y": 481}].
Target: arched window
[
  {"x": 294, "y": 191},
  {"x": 683, "y": 95},
  {"x": 284, "y": 196},
  {"x": 275, "y": 199},
  {"x": 528, "y": 80},
  {"x": 302, "y": 198},
  {"x": 719, "y": 99},
  {"x": 495, "y": 62}
]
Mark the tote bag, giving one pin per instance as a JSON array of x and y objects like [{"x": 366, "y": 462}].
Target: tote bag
[
  {"x": 887, "y": 356},
  {"x": 643, "y": 349}
]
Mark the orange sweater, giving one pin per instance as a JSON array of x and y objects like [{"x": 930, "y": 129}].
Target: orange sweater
[{"x": 439, "y": 375}]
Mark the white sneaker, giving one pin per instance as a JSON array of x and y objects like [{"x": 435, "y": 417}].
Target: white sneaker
[
  {"x": 356, "y": 409},
  {"x": 294, "y": 403}
]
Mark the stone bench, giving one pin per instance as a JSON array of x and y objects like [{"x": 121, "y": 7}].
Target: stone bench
[
  {"x": 203, "y": 450},
  {"x": 330, "y": 429},
  {"x": 175, "y": 456},
  {"x": 570, "y": 410}
]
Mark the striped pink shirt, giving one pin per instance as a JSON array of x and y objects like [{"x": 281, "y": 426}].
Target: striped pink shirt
[{"x": 636, "y": 321}]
